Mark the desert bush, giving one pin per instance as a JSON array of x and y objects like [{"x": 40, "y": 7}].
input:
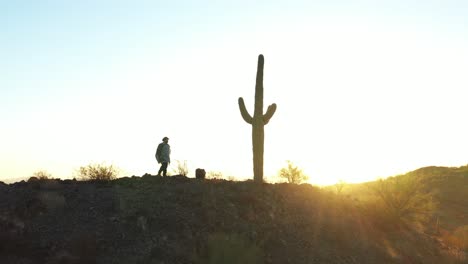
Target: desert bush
[
  {"x": 214, "y": 175},
  {"x": 181, "y": 168},
  {"x": 98, "y": 172},
  {"x": 375, "y": 210},
  {"x": 42, "y": 175},
  {"x": 231, "y": 178},
  {"x": 292, "y": 174},
  {"x": 405, "y": 199},
  {"x": 231, "y": 249}
]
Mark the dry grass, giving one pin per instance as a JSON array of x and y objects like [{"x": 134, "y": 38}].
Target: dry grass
[{"x": 458, "y": 238}]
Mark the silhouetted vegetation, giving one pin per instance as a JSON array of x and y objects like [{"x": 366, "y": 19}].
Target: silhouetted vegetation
[
  {"x": 214, "y": 175},
  {"x": 42, "y": 175},
  {"x": 181, "y": 168},
  {"x": 98, "y": 172},
  {"x": 292, "y": 174}
]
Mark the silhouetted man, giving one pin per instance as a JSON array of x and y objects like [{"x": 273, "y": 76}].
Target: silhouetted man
[{"x": 163, "y": 156}]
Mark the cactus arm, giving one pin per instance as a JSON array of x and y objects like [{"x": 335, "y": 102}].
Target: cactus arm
[
  {"x": 245, "y": 115},
  {"x": 269, "y": 113},
  {"x": 259, "y": 88}
]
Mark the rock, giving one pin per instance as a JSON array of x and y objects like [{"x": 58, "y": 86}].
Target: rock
[
  {"x": 68, "y": 181},
  {"x": 33, "y": 179},
  {"x": 200, "y": 173}
]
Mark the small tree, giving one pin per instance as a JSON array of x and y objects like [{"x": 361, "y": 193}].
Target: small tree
[
  {"x": 42, "y": 175},
  {"x": 339, "y": 186},
  {"x": 292, "y": 174},
  {"x": 98, "y": 172}
]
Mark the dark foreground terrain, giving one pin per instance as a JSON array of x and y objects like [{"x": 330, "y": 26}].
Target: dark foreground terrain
[{"x": 182, "y": 220}]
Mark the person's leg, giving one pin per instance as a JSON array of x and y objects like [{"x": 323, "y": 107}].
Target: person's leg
[
  {"x": 164, "y": 168},
  {"x": 161, "y": 168}
]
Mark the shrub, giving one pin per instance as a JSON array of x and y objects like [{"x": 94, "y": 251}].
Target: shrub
[
  {"x": 181, "y": 168},
  {"x": 42, "y": 175},
  {"x": 230, "y": 178},
  {"x": 292, "y": 174},
  {"x": 405, "y": 199},
  {"x": 98, "y": 172},
  {"x": 214, "y": 175}
]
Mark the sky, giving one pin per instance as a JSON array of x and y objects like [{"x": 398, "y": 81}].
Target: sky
[{"x": 364, "y": 89}]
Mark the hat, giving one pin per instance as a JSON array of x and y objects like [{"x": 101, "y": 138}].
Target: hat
[{"x": 165, "y": 138}]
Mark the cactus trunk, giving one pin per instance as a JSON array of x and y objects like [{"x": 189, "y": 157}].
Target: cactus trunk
[
  {"x": 258, "y": 137},
  {"x": 258, "y": 122}
]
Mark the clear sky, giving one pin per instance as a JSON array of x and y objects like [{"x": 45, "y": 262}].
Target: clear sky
[{"x": 364, "y": 89}]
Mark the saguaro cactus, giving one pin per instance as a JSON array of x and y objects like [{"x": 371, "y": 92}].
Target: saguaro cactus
[{"x": 258, "y": 121}]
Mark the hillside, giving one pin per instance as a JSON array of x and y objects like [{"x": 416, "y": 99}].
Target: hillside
[
  {"x": 180, "y": 220},
  {"x": 449, "y": 187}
]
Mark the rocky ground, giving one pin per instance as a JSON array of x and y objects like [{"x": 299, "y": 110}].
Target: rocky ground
[{"x": 182, "y": 220}]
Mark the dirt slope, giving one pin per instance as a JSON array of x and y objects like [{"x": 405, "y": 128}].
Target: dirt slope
[{"x": 180, "y": 220}]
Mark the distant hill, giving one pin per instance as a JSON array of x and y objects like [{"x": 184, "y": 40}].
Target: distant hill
[
  {"x": 451, "y": 190},
  {"x": 180, "y": 220},
  {"x": 449, "y": 186},
  {"x": 13, "y": 180}
]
